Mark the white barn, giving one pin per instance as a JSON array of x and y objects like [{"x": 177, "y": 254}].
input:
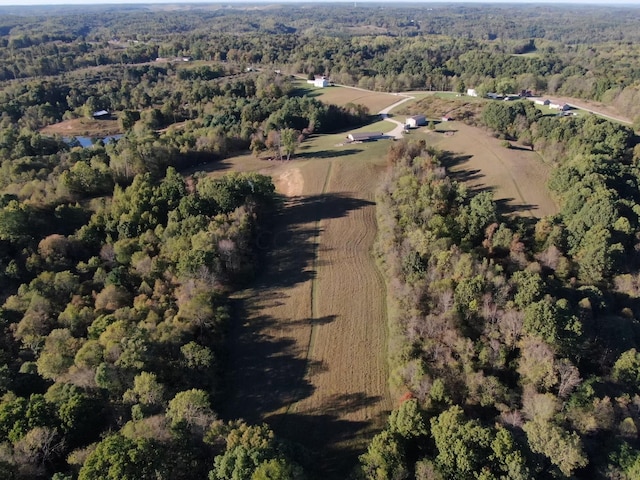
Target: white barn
[
  {"x": 363, "y": 136},
  {"x": 472, "y": 92}
]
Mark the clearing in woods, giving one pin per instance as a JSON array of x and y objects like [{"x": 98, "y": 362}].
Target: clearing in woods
[
  {"x": 339, "y": 95},
  {"x": 84, "y": 127},
  {"x": 516, "y": 176},
  {"x": 309, "y": 357}
]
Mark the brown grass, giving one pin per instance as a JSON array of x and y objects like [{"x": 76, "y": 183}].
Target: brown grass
[
  {"x": 85, "y": 127},
  {"x": 374, "y": 101},
  {"x": 435, "y": 107},
  {"x": 310, "y": 357},
  {"x": 516, "y": 176}
]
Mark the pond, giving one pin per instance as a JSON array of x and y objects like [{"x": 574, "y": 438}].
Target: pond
[{"x": 88, "y": 141}]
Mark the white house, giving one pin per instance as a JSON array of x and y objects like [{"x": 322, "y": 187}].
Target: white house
[
  {"x": 542, "y": 101},
  {"x": 319, "y": 82},
  {"x": 472, "y": 92},
  {"x": 416, "y": 121},
  {"x": 563, "y": 107}
]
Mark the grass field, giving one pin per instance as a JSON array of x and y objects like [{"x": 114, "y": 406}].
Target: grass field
[
  {"x": 310, "y": 358},
  {"x": 517, "y": 177},
  {"x": 374, "y": 101},
  {"x": 309, "y": 353},
  {"x": 84, "y": 127}
]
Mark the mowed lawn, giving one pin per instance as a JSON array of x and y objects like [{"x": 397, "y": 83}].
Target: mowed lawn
[
  {"x": 338, "y": 95},
  {"x": 309, "y": 357},
  {"x": 516, "y": 176}
]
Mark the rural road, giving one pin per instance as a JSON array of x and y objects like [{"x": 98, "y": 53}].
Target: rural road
[
  {"x": 583, "y": 105},
  {"x": 384, "y": 114}
]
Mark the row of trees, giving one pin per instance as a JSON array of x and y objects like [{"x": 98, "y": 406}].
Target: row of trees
[
  {"x": 112, "y": 345},
  {"x": 509, "y": 333}
]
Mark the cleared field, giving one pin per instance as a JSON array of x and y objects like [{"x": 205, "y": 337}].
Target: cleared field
[
  {"x": 517, "y": 177},
  {"x": 86, "y": 127},
  {"x": 310, "y": 357},
  {"x": 374, "y": 101}
]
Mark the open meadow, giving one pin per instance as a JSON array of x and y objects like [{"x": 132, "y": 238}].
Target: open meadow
[
  {"x": 339, "y": 95},
  {"x": 310, "y": 356},
  {"x": 516, "y": 176}
]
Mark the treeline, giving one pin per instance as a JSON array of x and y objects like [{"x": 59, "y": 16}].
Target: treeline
[
  {"x": 112, "y": 343},
  {"x": 389, "y": 50},
  {"x": 218, "y": 117},
  {"x": 515, "y": 340}
]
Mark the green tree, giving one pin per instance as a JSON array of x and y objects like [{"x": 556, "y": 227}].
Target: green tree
[
  {"x": 463, "y": 445},
  {"x": 191, "y": 408},
  {"x": 626, "y": 370},
  {"x": 120, "y": 458},
  {"x": 384, "y": 458},
  {"x": 408, "y": 420},
  {"x": 289, "y": 140},
  {"x": 562, "y": 448}
]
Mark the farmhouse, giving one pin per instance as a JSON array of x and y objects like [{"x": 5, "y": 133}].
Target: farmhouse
[
  {"x": 563, "y": 107},
  {"x": 416, "y": 121},
  {"x": 319, "y": 82},
  {"x": 363, "y": 137}
]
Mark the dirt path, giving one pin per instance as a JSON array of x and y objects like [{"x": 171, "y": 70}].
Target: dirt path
[
  {"x": 310, "y": 358},
  {"x": 516, "y": 177}
]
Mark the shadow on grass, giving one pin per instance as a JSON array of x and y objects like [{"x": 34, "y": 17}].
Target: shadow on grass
[
  {"x": 266, "y": 369},
  {"x": 289, "y": 247},
  {"x": 505, "y": 207},
  {"x": 328, "y": 153},
  {"x": 333, "y": 443}
]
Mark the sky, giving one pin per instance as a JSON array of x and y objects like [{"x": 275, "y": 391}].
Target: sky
[{"x": 228, "y": 2}]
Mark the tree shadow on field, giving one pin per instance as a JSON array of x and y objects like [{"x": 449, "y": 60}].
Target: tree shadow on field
[
  {"x": 333, "y": 443},
  {"x": 505, "y": 207},
  {"x": 289, "y": 247},
  {"x": 266, "y": 367},
  {"x": 266, "y": 372},
  {"x": 450, "y": 160},
  {"x": 328, "y": 153}
]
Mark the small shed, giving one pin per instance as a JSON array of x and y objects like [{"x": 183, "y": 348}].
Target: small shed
[
  {"x": 416, "y": 121},
  {"x": 446, "y": 118},
  {"x": 101, "y": 114},
  {"x": 472, "y": 92},
  {"x": 363, "y": 136}
]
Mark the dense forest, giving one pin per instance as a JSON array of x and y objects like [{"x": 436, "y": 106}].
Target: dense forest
[{"x": 516, "y": 340}]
